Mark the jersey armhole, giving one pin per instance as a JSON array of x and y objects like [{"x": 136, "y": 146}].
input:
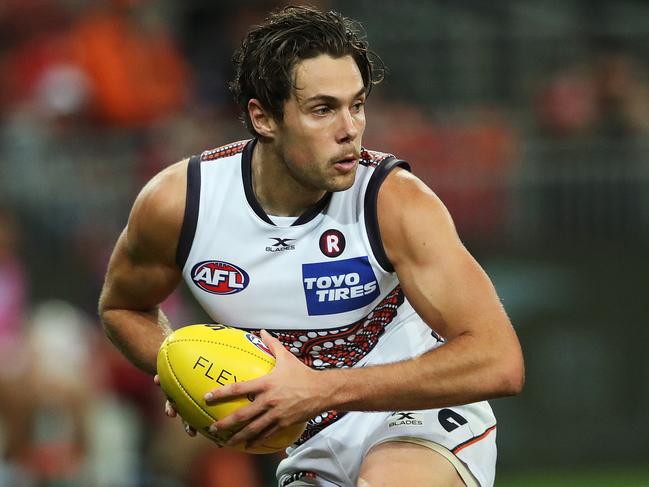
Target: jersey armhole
[
  {"x": 190, "y": 218},
  {"x": 371, "y": 218}
]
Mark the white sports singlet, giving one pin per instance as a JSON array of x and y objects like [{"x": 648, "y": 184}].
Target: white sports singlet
[{"x": 325, "y": 288}]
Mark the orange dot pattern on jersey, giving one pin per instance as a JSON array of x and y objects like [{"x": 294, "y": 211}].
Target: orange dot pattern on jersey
[
  {"x": 224, "y": 151},
  {"x": 372, "y": 158},
  {"x": 339, "y": 347},
  {"x": 298, "y": 476},
  {"x": 344, "y": 346},
  {"x": 367, "y": 158}
]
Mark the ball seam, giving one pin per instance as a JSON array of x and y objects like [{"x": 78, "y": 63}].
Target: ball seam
[
  {"x": 185, "y": 391},
  {"x": 262, "y": 357}
]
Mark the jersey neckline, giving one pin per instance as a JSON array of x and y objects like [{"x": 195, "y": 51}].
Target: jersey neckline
[{"x": 246, "y": 171}]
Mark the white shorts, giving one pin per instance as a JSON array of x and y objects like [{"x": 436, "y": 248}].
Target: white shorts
[{"x": 333, "y": 457}]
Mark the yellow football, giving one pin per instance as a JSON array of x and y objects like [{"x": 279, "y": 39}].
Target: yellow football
[{"x": 198, "y": 358}]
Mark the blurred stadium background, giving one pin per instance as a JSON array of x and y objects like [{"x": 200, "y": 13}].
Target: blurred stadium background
[{"x": 530, "y": 118}]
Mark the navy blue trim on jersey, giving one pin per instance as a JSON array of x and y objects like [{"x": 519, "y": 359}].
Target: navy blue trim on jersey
[
  {"x": 312, "y": 212},
  {"x": 246, "y": 171},
  {"x": 371, "y": 217},
  {"x": 190, "y": 220}
]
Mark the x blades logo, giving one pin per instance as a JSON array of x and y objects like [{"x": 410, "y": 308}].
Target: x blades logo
[
  {"x": 405, "y": 419},
  {"x": 280, "y": 244}
]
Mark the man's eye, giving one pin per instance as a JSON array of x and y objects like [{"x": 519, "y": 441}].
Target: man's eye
[
  {"x": 358, "y": 106},
  {"x": 322, "y": 110}
]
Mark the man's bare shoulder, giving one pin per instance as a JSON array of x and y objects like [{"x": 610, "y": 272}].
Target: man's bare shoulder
[
  {"x": 412, "y": 218},
  {"x": 402, "y": 192},
  {"x": 157, "y": 214}
]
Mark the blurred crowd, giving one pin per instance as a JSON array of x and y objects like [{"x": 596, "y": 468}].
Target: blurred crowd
[
  {"x": 97, "y": 96},
  {"x": 75, "y": 413}
]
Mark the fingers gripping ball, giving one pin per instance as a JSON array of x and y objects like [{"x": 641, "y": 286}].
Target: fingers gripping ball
[{"x": 198, "y": 358}]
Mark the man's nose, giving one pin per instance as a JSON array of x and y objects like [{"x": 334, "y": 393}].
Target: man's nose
[{"x": 349, "y": 127}]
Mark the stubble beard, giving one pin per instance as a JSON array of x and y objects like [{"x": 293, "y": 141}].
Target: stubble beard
[
  {"x": 319, "y": 178},
  {"x": 317, "y": 181}
]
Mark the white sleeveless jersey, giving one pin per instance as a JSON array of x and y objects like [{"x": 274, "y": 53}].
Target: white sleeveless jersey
[{"x": 323, "y": 286}]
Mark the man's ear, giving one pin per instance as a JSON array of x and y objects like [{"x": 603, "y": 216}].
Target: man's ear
[{"x": 262, "y": 121}]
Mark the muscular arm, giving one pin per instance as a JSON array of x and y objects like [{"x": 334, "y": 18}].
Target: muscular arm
[
  {"x": 142, "y": 271},
  {"x": 482, "y": 357}
]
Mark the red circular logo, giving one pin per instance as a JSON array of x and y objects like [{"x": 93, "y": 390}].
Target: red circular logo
[{"x": 332, "y": 243}]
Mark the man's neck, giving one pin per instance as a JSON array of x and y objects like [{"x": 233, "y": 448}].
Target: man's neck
[{"x": 275, "y": 188}]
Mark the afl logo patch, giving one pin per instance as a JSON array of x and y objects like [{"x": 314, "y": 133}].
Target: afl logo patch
[
  {"x": 218, "y": 277},
  {"x": 332, "y": 243},
  {"x": 256, "y": 341}
]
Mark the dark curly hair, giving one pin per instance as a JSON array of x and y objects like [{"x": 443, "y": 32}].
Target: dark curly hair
[{"x": 265, "y": 60}]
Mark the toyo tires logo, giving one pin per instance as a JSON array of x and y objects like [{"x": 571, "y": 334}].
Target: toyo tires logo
[
  {"x": 218, "y": 277},
  {"x": 339, "y": 286}
]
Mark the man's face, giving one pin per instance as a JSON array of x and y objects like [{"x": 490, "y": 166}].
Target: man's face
[{"x": 319, "y": 138}]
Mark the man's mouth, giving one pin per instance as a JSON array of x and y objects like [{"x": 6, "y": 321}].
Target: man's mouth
[
  {"x": 346, "y": 164},
  {"x": 347, "y": 159}
]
